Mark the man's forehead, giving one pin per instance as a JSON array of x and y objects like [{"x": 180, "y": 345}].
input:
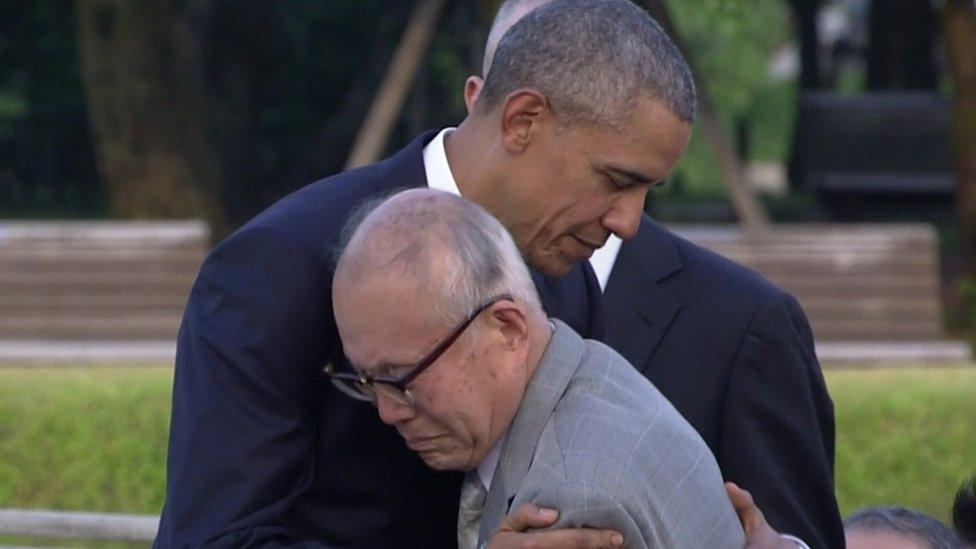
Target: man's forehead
[
  {"x": 380, "y": 347},
  {"x": 380, "y": 316}
]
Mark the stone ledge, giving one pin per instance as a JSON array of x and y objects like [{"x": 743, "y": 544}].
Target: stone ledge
[
  {"x": 888, "y": 352},
  {"x": 33, "y": 351}
]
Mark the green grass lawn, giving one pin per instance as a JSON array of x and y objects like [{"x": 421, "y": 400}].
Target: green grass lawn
[
  {"x": 905, "y": 436},
  {"x": 84, "y": 438},
  {"x": 94, "y": 438}
]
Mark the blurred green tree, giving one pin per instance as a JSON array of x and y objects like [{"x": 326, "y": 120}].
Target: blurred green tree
[
  {"x": 150, "y": 107},
  {"x": 215, "y": 108},
  {"x": 47, "y": 165}
]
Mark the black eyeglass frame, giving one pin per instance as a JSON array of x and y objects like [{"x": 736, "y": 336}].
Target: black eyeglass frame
[{"x": 400, "y": 383}]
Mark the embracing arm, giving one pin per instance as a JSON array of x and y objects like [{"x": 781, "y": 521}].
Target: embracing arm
[
  {"x": 778, "y": 426},
  {"x": 527, "y": 526},
  {"x": 583, "y": 506},
  {"x": 242, "y": 435}
]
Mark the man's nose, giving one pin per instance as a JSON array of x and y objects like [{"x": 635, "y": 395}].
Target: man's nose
[
  {"x": 623, "y": 217},
  {"x": 392, "y": 411}
]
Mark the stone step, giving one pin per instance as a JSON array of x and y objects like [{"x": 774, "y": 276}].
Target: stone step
[
  {"x": 87, "y": 351},
  {"x": 156, "y": 325},
  {"x": 887, "y": 353}
]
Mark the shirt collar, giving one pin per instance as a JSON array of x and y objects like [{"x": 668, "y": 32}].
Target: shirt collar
[
  {"x": 603, "y": 259},
  {"x": 438, "y": 171},
  {"x": 486, "y": 469}
]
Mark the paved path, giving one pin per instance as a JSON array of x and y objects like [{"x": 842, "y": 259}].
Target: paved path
[
  {"x": 21, "y": 352},
  {"x": 38, "y": 352}
]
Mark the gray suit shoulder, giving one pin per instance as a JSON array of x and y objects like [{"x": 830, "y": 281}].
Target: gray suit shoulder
[{"x": 624, "y": 449}]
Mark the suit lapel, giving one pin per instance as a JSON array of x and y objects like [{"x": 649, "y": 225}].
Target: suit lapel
[
  {"x": 556, "y": 369},
  {"x": 637, "y": 309},
  {"x": 406, "y": 168}
]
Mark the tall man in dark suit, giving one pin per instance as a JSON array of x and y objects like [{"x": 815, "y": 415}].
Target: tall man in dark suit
[
  {"x": 590, "y": 106},
  {"x": 732, "y": 352}
]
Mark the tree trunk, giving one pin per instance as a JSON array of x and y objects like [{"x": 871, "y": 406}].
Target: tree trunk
[
  {"x": 901, "y": 34},
  {"x": 147, "y": 102},
  {"x": 959, "y": 24},
  {"x": 747, "y": 207},
  {"x": 805, "y": 15},
  {"x": 371, "y": 142}
]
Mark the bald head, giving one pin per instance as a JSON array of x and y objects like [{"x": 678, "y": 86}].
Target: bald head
[
  {"x": 450, "y": 382},
  {"x": 443, "y": 244}
]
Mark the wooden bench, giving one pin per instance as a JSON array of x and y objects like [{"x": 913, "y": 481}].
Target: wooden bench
[
  {"x": 110, "y": 281},
  {"x": 876, "y": 143},
  {"x": 866, "y": 284}
]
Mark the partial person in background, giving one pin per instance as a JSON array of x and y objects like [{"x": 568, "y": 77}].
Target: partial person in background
[
  {"x": 898, "y": 528},
  {"x": 431, "y": 293},
  {"x": 964, "y": 512},
  {"x": 732, "y": 352}
]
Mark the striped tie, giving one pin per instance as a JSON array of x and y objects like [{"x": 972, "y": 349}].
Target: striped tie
[{"x": 471, "y": 508}]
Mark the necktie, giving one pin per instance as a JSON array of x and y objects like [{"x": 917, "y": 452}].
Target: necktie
[{"x": 471, "y": 507}]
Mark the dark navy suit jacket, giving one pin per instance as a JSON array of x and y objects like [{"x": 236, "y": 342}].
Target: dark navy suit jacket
[
  {"x": 734, "y": 354},
  {"x": 263, "y": 451}
]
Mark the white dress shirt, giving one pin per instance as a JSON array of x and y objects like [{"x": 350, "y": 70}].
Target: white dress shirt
[
  {"x": 603, "y": 259},
  {"x": 438, "y": 171}
]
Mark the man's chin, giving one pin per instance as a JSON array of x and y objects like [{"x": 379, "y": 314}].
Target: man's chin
[
  {"x": 458, "y": 461},
  {"x": 553, "y": 265},
  {"x": 440, "y": 462}
]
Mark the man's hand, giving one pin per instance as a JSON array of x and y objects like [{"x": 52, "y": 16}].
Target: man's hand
[
  {"x": 514, "y": 532},
  {"x": 759, "y": 534}
]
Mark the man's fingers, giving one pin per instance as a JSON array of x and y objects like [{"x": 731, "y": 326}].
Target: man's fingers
[
  {"x": 514, "y": 531},
  {"x": 528, "y": 515},
  {"x": 577, "y": 538},
  {"x": 749, "y": 514},
  {"x": 741, "y": 499}
]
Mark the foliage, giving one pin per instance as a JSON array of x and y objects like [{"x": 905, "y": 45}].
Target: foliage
[
  {"x": 303, "y": 74},
  {"x": 93, "y": 438},
  {"x": 966, "y": 288},
  {"x": 47, "y": 165},
  {"x": 730, "y": 44},
  {"x": 904, "y": 437},
  {"x": 84, "y": 438}
]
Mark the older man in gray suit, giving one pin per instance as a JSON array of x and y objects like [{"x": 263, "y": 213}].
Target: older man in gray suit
[{"x": 442, "y": 325}]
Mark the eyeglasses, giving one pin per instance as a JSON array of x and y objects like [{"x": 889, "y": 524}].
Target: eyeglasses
[{"x": 361, "y": 386}]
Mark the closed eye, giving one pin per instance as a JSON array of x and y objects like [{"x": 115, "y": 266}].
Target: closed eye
[{"x": 623, "y": 178}]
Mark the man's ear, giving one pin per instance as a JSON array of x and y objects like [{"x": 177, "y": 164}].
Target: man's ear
[
  {"x": 472, "y": 89},
  {"x": 524, "y": 110},
  {"x": 510, "y": 319}
]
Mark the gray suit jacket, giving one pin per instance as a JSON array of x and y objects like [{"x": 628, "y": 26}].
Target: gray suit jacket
[{"x": 594, "y": 439}]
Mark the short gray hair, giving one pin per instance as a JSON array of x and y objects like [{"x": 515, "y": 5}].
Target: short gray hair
[
  {"x": 907, "y": 522},
  {"x": 503, "y": 21},
  {"x": 451, "y": 246},
  {"x": 592, "y": 59}
]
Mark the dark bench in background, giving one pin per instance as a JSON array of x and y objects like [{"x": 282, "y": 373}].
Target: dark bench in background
[{"x": 870, "y": 291}]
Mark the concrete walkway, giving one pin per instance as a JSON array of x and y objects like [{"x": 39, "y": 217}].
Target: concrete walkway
[
  {"x": 78, "y": 525},
  {"x": 37, "y": 351},
  {"x": 43, "y": 352}
]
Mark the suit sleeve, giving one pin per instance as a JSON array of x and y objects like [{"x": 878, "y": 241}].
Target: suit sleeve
[
  {"x": 250, "y": 349},
  {"x": 778, "y": 426},
  {"x": 594, "y": 297},
  {"x": 585, "y": 506},
  {"x": 641, "y": 523}
]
